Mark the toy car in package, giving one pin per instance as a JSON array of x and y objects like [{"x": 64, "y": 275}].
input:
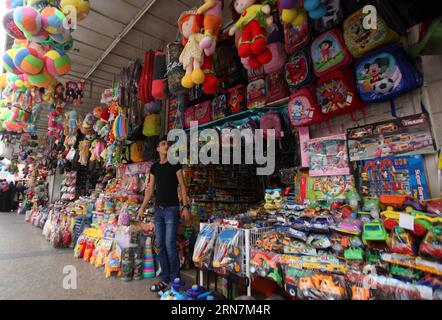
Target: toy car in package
[
  {"x": 227, "y": 253},
  {"x": 204, "y": 246},
  {"x": 322, "y": 287}
]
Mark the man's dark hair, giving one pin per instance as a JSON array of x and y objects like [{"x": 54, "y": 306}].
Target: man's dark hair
[{"x": 163, "y": 138}]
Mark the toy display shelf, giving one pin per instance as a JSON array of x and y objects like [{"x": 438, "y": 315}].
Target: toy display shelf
[
  {"x": 274, "y": 106},
  {"x": 414, "y": 263}
]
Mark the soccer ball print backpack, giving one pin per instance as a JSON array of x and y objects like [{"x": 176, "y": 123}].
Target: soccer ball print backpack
[{"x": 386, "y": 73}]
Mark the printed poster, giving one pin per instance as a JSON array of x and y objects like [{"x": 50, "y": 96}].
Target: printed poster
[{"x": 403, "y": 175}]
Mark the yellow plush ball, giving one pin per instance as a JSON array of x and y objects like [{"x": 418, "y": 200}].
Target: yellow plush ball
[{"x": 82, "y": 8}]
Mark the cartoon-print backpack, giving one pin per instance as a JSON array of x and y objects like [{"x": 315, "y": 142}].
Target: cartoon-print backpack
[
  {"x": 298, "y": 70},
  {"x": 256, "y": 94},
  {"x": 329, "y": 53},
  {"x": 333, "y": 17},
  {"x": 203, "y": 112},
  {"x": 337, "y": 93},
  {"x": 269, "y": 121},
  {"x": 361, "y": 40},
  {"x": 303, "y": 107},
  {"x": 386, "y": 73},
  {"x": 219, "y": 107},
  {"x": 276, "y": 86},
  {"x": 296, "y": 38}
]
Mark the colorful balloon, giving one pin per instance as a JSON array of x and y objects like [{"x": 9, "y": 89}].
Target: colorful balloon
[
  {"x": 52, "y": 20},
  {"x": 8, "y": 61},
  {"x": 27, "y": 20},
  {"x": 27, "y": 61},
  {"x": 57, "y": 63},
  {"x": 10, "y": 27}
]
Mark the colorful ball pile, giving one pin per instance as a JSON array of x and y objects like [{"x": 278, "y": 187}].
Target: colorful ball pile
[
  {"x": 57, "y": 63},
  {"x": 27, "y": 20},
  {"x": 52, "y": 20},
  {"x": 27, "y": 61}
]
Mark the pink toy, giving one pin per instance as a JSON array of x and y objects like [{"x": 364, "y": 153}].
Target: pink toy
[{"x": 213, "y": 13}]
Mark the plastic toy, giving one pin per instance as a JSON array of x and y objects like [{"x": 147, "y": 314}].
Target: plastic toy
[
  {"x": 432, "y": 244},
  {"x": 350, "y": 226},
  {"x": 265, "y": 264},
  {"x": 374, "y": 231},
  {"x": 353, "y": 254},
  {"x": 174, "y": 293},
  {"x": 405, "y": 274},
  {"x": 393, "y": 201},
  {"x": 204, "y": 247},
  {"x": 360, "y": 293},
  {"x": 212, "y": 11},
  {"x": 322, "y": 224},
  {"x": 315, "y": 8},
  {"x": 434, "y": 206},
  {"x": 319, "y": 241}
]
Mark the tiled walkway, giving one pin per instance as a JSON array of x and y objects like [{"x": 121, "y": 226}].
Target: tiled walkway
[{"x": 31, "y": 269}]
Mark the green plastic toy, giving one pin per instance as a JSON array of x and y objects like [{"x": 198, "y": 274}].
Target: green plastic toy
[
  {"x": 354, "y": 254},
  {"x": 374, "y": 231}
]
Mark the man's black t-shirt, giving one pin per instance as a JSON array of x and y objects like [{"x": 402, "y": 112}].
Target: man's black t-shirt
[{"x": 166, "y": 184}]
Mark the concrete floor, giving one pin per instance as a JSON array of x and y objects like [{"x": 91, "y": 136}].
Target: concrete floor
[{"x": 31, "y": 269}]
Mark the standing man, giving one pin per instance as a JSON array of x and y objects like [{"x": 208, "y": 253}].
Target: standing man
[{"x": 164, "y": 179}]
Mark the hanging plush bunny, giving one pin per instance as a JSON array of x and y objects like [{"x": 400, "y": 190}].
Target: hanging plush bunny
[
  {"x": 252, "y": 20},
  {"x": 192, "y": 57}
]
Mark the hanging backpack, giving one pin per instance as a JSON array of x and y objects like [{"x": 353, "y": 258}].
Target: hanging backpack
[
  {"x": 271, "y": 120},
  {"x": 386, "y": 73},
  {"x": 145, "y": 83},
  {"x": 159, "y": 82},
  {"x": 203, "y": 112},
  {"x": 276, "y": 32},
  {"x": 303, "y": 107},
  {"x": 298, "y": 70},
  {"x": 333, "y": 17},
  {"x": 137, "y": 152},
  {"x": 279, "y": 58},
  {"x": 219, "y": 107},
  {"x": 256, "y": 94},
  {"x": 337, "y": 93},
  {"x": 296, "y": 38},
  {"x": 152, "y": 125},
  {"x": 276, "y": 86},
  {"x": 175, "y": 71},
  {"x": 236, "y": 100},
  {"x": 189, "y": 116},
  {"x": 329, "y": 53},
  {"x": 176, "y": 112},
  {"x": 361, "y": 40}
]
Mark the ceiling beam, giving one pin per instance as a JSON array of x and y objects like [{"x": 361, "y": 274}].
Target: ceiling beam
[{"x": 122, "y": 34}]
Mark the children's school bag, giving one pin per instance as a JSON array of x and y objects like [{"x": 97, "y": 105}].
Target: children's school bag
[
  {"x": 203, "y": 112},
  {"x": 303, "y": 107},
  {"x": 333, "y": 17},
  {"x": 361, "y": 40},
  {"x": 386, "y": 73},
  {"x": 279, "y": 58},
  {"x": 176, "y": 112},
  {"x": 152, "y": 125},
  {"x": 296, "y": 38},
  {"x": 337, "y": 93},
  {"x": 276, "y": 86},
  {"x": 256, "y": 94},
  {"x": 189, "y": 115},
  {"x": 137, "y": 151},
  {"x": 298, "y": 70},
  {"x": 219, "y": 107},
  {"x": 175, "y": 71},
  {"x": 329, "y": 53},
  {"x": 236, "y": 100},
  {"x": 271, "y": 120}
]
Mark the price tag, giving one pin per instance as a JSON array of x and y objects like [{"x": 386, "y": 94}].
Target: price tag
[{"x": 406, "y": 221}]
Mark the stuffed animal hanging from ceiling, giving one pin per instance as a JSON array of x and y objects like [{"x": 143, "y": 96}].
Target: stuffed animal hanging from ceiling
[
  {"x": 213, "y": 15},
  {"x": 71, "y": 92},
  {"x": 252, "y": 20},
  {"x": 79, "y": 92},
  {"x": 191, "y": 24}
]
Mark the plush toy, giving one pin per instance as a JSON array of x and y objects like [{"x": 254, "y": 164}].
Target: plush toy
[
  {"x": 8, "y": 61},
  {"x": 52, "y": 20},
  {"x": 213, "y": 13},
  {"x": 57, "y": 63},
  {"x": 84, "y": 147},
  {"x": 291, "y": 14},
  {"x": 79, "y": 93},
  {"x": 59, "y": 92},
  {"x": 315, "y": 8},
  {"x": 42, "y": 80},
  {"x": 27, "y": 61},
  {"x": 252, "y": 20},
  {"x": 72, "y": 123},
  {"x": 10, "y": 27},
  {"x": 191, "y": 24},
  {"x": 81, "y": 7},
  {"x": 71, "y": 92},
  {"x": 12, "y": 4},
  {"x": 27, "y": 20}
]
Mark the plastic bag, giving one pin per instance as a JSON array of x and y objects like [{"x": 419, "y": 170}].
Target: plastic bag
[
  {"x": 204, "y": 246},
  {"x": 227, "y": 251}
]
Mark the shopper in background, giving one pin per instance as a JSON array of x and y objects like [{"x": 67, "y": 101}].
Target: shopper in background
[
  {"x": 6, "y": 199},
  {"x": 164, "y": 180}
]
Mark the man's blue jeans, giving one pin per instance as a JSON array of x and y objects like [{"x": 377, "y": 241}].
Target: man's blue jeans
[{"x": 166, "y": 225}]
